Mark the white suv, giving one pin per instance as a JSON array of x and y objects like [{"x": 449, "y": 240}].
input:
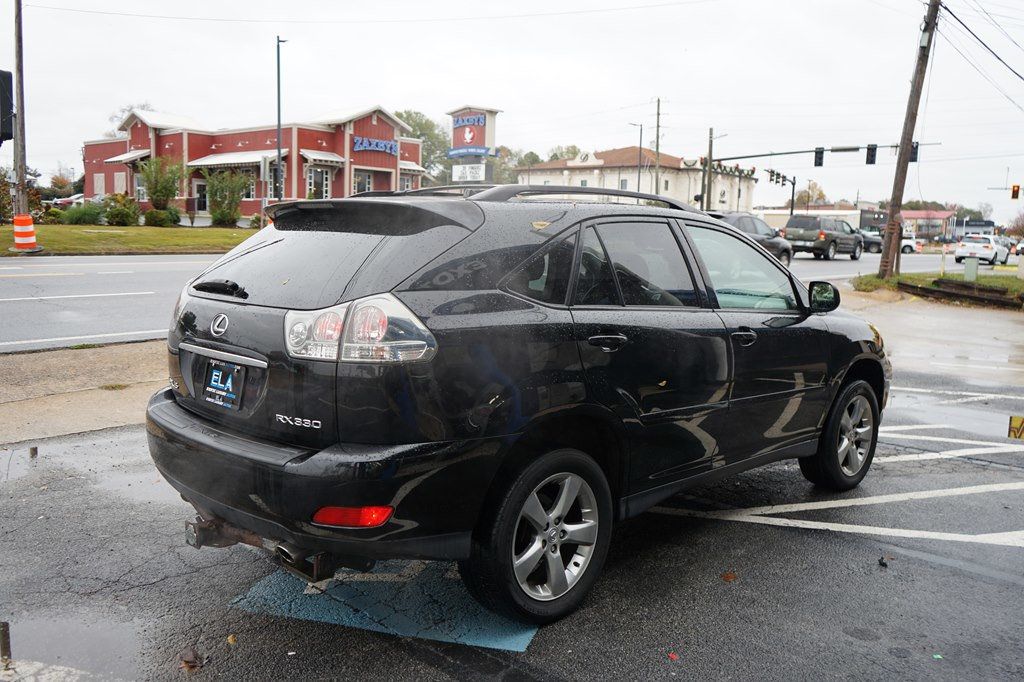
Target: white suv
[{"x": 982, "y": 246}]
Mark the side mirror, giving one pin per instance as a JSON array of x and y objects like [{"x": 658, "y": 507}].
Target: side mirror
[{"x": 824, "y": 297}]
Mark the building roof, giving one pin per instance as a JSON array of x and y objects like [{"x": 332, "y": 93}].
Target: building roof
[
  {"x": 251, "y": 157},
  {"x": 320, "y": 156},
  {"x": 339, "y": 117},
  {"x": 926, "y": 215},
  {"x": 159, "y": 120},
  {"x": 128, "y": 157},
  {"x": 613, "y": 158},
  {"x": 474, "y": 107}
]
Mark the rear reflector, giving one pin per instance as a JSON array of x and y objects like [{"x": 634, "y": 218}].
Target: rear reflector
[{"x": 352, "y": 517}]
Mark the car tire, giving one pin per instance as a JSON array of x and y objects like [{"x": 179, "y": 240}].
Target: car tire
[
  {"x": 831, "y": 252},
  {"x": 846, "y": 450},
  {"x": 907, "y": 249},
  {"x": 857, "y": 250},
  {"x": 817, "y": 255},
  {"x": 875, "y": 248},
  {"x": 1006, "y": 258},
  {"x": 511, "y": 527},
  {"x": 785, "y": 258}
]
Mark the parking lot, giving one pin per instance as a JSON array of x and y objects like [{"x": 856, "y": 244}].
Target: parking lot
[{"x": 915, "y": 574}]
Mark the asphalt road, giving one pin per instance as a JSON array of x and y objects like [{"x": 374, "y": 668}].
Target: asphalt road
[
  {"x": 52, "y": 302},
  {"x": 720, "y": 582}
]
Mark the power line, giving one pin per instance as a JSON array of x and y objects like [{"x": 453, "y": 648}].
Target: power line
[
  {"x": 978, "y": 69},
  {"x": 408, "y": 20},
  {"x": 983, "y": 43},
  {"x": 996, "y": 24}
]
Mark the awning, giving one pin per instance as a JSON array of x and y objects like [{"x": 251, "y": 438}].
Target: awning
[
  {"x": 411, "y": 167},
  {"x": 246, "y": 158},
  {"x": 322, "y": 157},
  {"x": 128, "y": 157}
]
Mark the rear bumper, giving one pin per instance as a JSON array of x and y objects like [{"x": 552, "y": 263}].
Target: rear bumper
[
  {"x": 811, "y": 247},
  {"x": 273, "y": 490}
]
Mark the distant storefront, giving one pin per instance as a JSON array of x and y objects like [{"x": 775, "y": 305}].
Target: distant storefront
[
  {"x": 333, "y": 157},
  {"x": 928, "y": 224}
]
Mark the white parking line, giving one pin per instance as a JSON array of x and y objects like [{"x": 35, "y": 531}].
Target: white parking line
[
  {"x": 910, "y": 427},
  {"x": 51, "y": 298},
  {"x": 991, "y": 368},
  {"x": 759, "y": 515},
  {"x": 950, "y": 454},
  {"x": 972, "y": 394},
  {"x": 116, "y": 272},
  {"x": 83, "y": 338},
  {"x": 944, "y": 439}
]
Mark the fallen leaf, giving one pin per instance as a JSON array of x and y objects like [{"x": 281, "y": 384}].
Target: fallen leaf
[
  {"x": 729, "y": 576},
  {"x": 232, "y": 639},
  {"x": 189, "y": 659},
  {"x": 673, "y": 656},
  {"x": 937, "y": 657}
]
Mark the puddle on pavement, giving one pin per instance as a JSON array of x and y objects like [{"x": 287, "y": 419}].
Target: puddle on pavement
[
  {"x": 16, "y": 463},
  {"x": 100, "y": 646},
  {"x": 144, "y": 486}
]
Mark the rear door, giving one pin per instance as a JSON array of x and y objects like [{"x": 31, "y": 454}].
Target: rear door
[
  {"x": 779, "y": 350},
  {"x": 651, "y": 351}
]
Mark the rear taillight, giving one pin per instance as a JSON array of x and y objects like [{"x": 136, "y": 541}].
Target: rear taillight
[
  {"x": 821, "y": 235},
  {"x": 352, "y": 517},
  {"x": 377, "y": 329}
]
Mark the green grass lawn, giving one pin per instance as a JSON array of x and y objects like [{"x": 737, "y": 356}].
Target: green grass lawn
[
  {"x": 872, "y": 282},
  {"x": 62, "y": 240}
]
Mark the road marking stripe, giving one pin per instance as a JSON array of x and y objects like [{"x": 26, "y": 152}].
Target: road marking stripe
[
  {"x": 50, "y": 298},
  {"x": 944, "y": 439},
  {"x": 123, "y": 262},
  {"x": 991, "y": 368},
  {"x": 911, "y": 427},
  {"x": 116, "y": 272},
  {"x": 853, "y": 501},
  {"x": 907, "y": 389},
  {"x": 1011, "y": 539},
  {"x": 44, "y": 274},
  {"x": 950, "y": 454},
  {"x": 80, "y": 338}
]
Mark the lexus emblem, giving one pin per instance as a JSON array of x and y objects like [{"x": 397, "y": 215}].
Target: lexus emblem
[{"x": 219, "y": 325}]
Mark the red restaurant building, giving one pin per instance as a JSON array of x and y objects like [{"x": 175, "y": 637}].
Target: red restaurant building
[{"x": 333, "y": 157}]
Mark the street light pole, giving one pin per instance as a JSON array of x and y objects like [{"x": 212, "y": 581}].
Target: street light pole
[
  {"x": 21, "y": 198},
  {"x": 278, "y": 176}
]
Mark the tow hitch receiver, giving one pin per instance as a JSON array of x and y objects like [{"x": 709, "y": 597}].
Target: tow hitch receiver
[
  {"x": 215, "y": 533},
  {"x": 314, "y": 567}
]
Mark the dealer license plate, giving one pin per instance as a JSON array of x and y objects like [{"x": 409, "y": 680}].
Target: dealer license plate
[{"x": 223, "y": 385}]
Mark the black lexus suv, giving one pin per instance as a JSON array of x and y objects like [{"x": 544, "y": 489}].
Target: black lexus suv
[{"x": 496, "y": 379}]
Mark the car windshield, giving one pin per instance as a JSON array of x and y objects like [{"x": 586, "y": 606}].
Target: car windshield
[{"x": 976, "y": 240}]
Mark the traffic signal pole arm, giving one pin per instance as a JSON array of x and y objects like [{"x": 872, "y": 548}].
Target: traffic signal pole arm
[{"x": 834, "y": 150}]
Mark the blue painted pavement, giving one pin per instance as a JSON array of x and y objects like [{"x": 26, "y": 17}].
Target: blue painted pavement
[{"x": 409, "y": 599}]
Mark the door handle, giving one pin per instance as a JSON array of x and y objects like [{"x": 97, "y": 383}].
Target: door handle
[
  {"x": 608, "y": 343},
  {"x": 745, "y": 337}
]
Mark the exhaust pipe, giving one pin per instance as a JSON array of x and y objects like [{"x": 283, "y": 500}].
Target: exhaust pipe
[{"x": 290, "y": 554}]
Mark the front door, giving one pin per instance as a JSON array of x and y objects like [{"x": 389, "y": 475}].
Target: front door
[
  {"x": 199, "y": 192},
  {"x": 780, "y": 350},
  {"x": 652, "y": 354}
]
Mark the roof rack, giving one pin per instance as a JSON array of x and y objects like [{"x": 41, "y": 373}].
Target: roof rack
[
  {"x": 438, "y": 190},
  {"x": 508, "y": 192}
]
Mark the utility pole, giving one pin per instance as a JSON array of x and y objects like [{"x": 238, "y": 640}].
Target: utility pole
[
  {"x": 639, "y": 155},
  {"x": 21, "y": 198},
  {"x": 278, "y": 175},
  {"x": 792, "y": 195},
  {"x": 657, "y": 150},
  {"x": 707, "y": 171},
  {"x": 889, "y": 265}
]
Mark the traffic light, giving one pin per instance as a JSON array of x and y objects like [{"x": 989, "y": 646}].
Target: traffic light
[
  {"x": 771, "y": 176},
  {"x": 872, "y": 154},
  {"x": 1015, "y": 192},
  {"x": 913, "y": 152},
  {"x": 6, "y": 107},
  {"x": 819, "y": 156}
]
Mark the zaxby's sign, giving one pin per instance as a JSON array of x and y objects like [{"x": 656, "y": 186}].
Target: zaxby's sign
[
  {"x": 472, "y": 131},
  {"x": 369, "y": 144}
]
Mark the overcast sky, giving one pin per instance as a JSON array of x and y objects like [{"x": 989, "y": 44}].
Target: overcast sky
[{"x": 770, "y": 76}]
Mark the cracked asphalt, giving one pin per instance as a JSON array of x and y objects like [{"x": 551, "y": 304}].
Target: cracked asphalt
[{"x": 96, "y": 580}]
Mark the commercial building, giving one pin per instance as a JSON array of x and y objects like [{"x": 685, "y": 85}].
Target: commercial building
[
  {"x": 928, "y": 224},
  {"x": 331, "y": 157},
  {"x": 677, "y": 178}
]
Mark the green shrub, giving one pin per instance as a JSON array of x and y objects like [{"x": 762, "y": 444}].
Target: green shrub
[
  {"x": 86, "y": 214},
  {"x": 51, "y": 216},
  {"x": 174, "y": 215},
  {"x": 155, "y": 218},
  {"x": 121, "y": 210},
  {"x": 224, "y": 190},
  {"x": 160, "y": 176},
  {"x": 257, "y": 221}
]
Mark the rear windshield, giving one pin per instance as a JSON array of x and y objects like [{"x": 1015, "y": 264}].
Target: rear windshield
[
  {"x": 976, "y": 240},
  {"x": 308, "y": 259},
  {"x": 802, "y": 222}
]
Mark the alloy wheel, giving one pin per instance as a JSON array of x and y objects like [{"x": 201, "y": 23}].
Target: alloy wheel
[
  {"x": 555, "y": 536},
  {"x": 832, "y": 249},
  {"x": 856, "y": 435}
]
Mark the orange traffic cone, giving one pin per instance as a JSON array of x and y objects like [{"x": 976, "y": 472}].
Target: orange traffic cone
[{"x": 24, "y": 235}]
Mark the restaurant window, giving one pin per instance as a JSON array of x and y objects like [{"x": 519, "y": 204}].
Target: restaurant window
[
  {"x": 362, "y": 182},
  {"x": 583, "y": 183},
  {"x": 405, "y": 183},
  {"x": 140, "y": 189},
  {"x": 623, "y": 183},
  {"x": 318, "y": 182},
  {"x": 250, "y": 190}
]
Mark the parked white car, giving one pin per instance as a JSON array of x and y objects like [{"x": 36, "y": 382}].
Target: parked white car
[
  {"x": 983, "y": 246},
  {"x": 911, "y": 244}
]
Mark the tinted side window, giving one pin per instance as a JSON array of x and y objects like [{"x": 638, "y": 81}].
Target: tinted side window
[
  {"x": 763, "y": 229},
  {"x": 545, "y": 277},
  {"x": 595, "y": 285},
  {"x": 747, "y": 225},
  {"x": 649, "y": 266},
  {"x": 742, "y": 277}
]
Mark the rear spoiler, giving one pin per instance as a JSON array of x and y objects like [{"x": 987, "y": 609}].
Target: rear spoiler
[{"x": 374, "y": 215}]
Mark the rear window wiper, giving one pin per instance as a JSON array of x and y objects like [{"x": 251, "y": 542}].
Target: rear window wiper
[{"x": 221, "y": 286}]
